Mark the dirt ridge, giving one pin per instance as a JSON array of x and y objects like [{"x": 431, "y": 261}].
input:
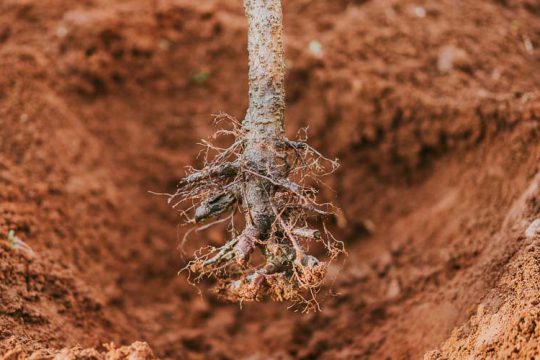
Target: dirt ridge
[{"x": 433, "y": 109}]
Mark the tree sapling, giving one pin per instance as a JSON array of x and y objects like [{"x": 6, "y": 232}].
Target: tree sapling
[{"x": 264, "y": 176}]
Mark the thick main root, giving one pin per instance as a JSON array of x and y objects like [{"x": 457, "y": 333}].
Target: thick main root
[{"x": 218, "y": 191}]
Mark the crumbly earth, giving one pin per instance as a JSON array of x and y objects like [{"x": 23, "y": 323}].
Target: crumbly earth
[{"x": 432, "y": 107}]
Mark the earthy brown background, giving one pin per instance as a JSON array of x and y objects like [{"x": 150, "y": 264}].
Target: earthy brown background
[{"x": 433, "y": 108}]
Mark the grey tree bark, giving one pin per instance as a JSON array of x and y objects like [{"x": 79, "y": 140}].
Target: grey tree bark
[{"x": 263, "y": 124}]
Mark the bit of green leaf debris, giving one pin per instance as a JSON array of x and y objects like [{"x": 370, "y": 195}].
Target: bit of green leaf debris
[{"x": 201, "y": 77}]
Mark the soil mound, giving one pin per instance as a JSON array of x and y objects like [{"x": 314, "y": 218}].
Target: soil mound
[{"x": 432, "y": 107}]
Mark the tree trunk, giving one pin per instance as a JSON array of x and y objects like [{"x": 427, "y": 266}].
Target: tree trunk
[{"x": 263, "y": 125}]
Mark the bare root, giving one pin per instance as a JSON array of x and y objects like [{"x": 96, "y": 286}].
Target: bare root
[{"x": 288, "y": 273}]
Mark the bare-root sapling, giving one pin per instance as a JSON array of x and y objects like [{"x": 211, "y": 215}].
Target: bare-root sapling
[{"x": 268, "y": 179}]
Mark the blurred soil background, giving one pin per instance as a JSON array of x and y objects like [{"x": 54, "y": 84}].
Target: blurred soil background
[{"x": 433, "y": 108}]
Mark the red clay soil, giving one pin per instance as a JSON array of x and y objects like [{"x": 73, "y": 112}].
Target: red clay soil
[{"x": 432, "y": 107}]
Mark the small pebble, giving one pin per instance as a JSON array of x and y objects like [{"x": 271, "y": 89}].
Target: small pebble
[
  {"x": 533, "y": 229},
  {"x": 527, "y": 43},
  {"x": 315, "y": 48},
  {"x": 61, "y": 31},
  {"x": 451, "y": 57},
  {"x": 419, "y": 11},
  {"x": 394, "y": 289},
  {"x": 164, "y": 44}
]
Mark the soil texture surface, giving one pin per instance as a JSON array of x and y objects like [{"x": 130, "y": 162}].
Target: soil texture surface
[{"x": 432, "y": 107}]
